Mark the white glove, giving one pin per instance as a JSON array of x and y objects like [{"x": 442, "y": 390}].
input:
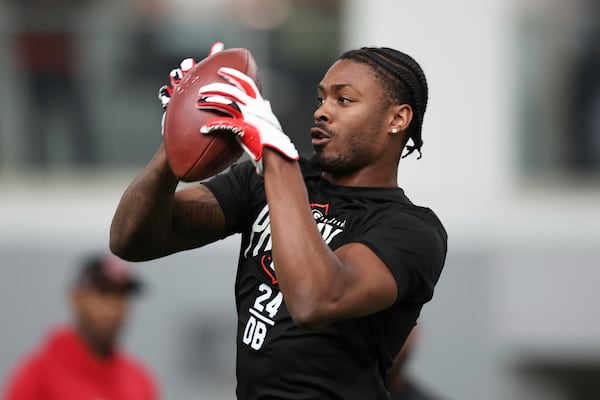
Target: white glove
[
  {"x": 250, "y": 116},
  {"x": 177, "y": 74}
]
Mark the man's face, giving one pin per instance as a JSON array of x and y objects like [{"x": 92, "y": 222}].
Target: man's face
[
  {"x": 101, "y": 313},
  {"x": 352, "y": 119}
]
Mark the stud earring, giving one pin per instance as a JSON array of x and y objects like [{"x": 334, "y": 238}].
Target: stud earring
[{"x": 394, "y": 131}]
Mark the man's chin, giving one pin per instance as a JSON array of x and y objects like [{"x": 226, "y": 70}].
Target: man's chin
[
  {"x": 316, "y": 158},
  {"x": 321, "y": 162}
]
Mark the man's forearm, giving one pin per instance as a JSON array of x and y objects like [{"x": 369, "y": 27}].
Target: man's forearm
[
  {"x": 143, "y": 219},
  {"x": 305, "y": 266}
]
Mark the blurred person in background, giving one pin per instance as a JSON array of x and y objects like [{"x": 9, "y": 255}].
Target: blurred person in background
[
  {"x": 46, "y": 47},
  {"x": 401, "y": 385},
  {"x": 335, "y": 262},
  {"x": 83, "y": 360}
]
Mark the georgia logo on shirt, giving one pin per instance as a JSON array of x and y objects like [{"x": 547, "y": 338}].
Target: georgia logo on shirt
[{"x": 260, "y": 243}]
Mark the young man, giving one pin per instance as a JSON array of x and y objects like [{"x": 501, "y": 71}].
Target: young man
[
  {"x": 83, "y": 361},
  {"x": 335, "y": 261}
]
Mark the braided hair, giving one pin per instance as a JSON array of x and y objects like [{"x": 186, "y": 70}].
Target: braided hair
[{"x": 403, "y": 81}]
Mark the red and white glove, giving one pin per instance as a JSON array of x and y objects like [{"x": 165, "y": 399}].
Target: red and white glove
[
  {"x": 177, "y": 74},
  {"x": 250, "y": 116}
]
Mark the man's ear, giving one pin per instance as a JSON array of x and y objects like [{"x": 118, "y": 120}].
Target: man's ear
[{"x": 401, "y": 118}]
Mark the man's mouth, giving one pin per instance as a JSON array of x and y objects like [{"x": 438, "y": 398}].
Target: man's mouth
[{"x": 319, "y": 136}]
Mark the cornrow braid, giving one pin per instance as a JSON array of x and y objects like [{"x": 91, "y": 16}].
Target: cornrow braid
[{"x": 403, "y": 81}]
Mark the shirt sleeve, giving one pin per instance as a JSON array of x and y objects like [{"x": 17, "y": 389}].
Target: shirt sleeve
[
  {"x": 233, "y": 191},
  {"x": 413, "y": 249}
]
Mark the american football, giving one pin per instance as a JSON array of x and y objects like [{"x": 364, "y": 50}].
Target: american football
[{"x": 194, "y": 156}]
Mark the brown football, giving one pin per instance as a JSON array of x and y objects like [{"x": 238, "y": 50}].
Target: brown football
[{"x": 194, "y": 156}]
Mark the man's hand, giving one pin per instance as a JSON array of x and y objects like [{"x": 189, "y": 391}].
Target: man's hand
[
  {"x": 175, "y": 76},
  {"x": 250, "y": 116}
]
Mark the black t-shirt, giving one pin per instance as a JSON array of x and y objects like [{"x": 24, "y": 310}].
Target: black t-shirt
[
  {"x": 413, "y": 391},
  {"x": 346, "y": 359}
]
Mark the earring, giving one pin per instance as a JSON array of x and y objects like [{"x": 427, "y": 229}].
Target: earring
[{"x": 394, "y": 131}]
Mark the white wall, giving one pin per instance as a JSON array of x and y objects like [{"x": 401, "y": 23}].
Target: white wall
[{"x": 467, "y": 129}]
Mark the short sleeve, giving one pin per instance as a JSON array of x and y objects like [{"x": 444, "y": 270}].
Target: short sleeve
[
  {"x": 233, "y": 191},
  {"x": 414, "y": 249}
]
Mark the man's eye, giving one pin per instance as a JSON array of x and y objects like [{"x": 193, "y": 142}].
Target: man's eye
[
  {"x": 344, "y": 100},
  {"x": 319, "y": 101}
]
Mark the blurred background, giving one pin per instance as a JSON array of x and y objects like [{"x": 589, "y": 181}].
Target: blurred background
[{"x": 511, "y": 165}]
